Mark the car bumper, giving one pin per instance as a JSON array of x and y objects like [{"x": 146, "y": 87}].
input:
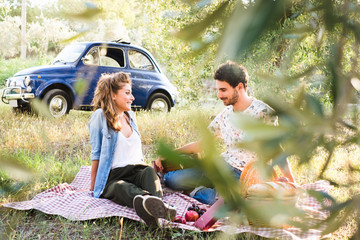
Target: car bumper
[{"x": 11, "y": 95}]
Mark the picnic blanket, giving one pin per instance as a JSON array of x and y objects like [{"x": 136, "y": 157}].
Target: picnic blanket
[{"x": 75, "y": 202}]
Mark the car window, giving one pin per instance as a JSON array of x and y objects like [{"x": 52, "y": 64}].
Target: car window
[
  {"x": 70, "y": 53},
  {"x": 138, "y": 60},
  {"x": 108, "y": 62},
  {"x": 112, "y": 57},
  {"x": 92, "y": 57}
]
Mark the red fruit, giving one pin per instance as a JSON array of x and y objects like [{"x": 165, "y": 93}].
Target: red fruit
[
  {"x": 191, "y": 216},
  {"x": 179, "y": 219}
]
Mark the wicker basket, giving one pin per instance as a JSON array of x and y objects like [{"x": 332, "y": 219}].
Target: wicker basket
[
  {"x": 266, "y": 193},
  {"x": 269, "y": 206}
]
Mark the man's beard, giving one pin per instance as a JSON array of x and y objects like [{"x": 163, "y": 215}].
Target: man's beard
[{"x": 232, "y": 100}]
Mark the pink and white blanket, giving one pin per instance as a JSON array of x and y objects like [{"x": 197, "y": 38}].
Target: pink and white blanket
[{"x": 75, "y": 202}]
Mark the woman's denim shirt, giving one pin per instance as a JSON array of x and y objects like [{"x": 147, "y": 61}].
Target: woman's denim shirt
[{"x": 103, "y": 142}]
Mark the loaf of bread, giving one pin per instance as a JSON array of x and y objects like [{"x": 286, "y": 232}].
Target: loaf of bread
[
  {"x": 251, "y": 176},
  {"x": 272, "y": 189}
]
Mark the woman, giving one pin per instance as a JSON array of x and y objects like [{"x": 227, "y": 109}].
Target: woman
[{"x": 118, "y": 171}]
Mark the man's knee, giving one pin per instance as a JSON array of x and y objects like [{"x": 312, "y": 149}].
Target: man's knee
[{"x": 178, "y": 181}]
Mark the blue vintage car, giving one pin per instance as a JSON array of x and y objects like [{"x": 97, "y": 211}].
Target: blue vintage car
[{"x": 69, "y": 83}]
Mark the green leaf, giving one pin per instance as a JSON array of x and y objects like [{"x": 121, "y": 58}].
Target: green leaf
[
  {"x": 217, "y": 170},
  {"x": 247, "y": 25},
  {"x": 314, "y": 105},
  {"x": 175, "y": 158},
  {"x": 91, "y": 12},
  {"x": 273, "y": 212},
  {"x": 338, "y": 217},
  {"x": 330, "y": 147},
  {"x": 199, "y": 3},
  {"x": 321, "y": 196},
  {"x": 348, "y": 125},
  {"x": 329, "y": 16},
  {"x": 280, "y": 160},
  {"x": 299, "y": 98},
  {"x": 81, "y": 86},
  {"x": 76, "y": 36},
  {"x": 193, "y": 31},
  {"x": 356, "y": 235},
  {"x": 13, "y": 168},
  {"x": 41, "y": 108},
  {"x": 256, "y": 128}
]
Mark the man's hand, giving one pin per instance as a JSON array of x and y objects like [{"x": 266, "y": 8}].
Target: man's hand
[{"x": 158, "y": 166}]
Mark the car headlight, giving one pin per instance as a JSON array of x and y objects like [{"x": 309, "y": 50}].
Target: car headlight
[{"x": 27, "y": 81}]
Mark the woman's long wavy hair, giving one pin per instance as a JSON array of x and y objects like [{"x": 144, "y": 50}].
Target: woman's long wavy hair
[{"x": 110, "y": 83}]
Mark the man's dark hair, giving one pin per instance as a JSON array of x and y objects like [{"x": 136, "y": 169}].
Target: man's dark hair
[{"x": 232, "y": 73}]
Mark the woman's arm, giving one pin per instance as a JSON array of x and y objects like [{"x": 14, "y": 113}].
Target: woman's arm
[
  {"x": 94, "y": 168},
  {"x": 96, "y": 135}
]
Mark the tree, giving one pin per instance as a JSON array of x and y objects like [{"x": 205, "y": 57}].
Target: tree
[{"x": 23, "y": 29}]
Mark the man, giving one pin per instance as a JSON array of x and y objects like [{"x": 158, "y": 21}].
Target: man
[{"x": 231, "y": 84}]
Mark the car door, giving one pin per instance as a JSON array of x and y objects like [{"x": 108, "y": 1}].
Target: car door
[
  {"x": 97, "y": 61},
  {"x": 143, "y": 75}
]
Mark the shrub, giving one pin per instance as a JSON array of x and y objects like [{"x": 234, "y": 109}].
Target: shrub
[{"x": 12, "y": 66}]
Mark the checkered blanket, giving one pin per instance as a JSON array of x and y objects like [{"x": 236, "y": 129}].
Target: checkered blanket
[{"x": 75, "y": 202}]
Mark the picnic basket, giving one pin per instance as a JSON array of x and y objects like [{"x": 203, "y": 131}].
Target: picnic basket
[{"x": 266, "y": 195}]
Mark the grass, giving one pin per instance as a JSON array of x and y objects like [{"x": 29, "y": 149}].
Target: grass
[{"x": 54, "y": 149}]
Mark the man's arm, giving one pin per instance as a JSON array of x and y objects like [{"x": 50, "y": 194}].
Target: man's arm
[
  {"x": 94, "y": 168},
  {"x": 273, "y": 120},
  {"x": 193, "y": 147},
  {"x": 286, "y": 170}
]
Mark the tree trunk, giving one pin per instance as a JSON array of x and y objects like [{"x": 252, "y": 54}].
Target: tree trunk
[{"x": 23, "y": 29}]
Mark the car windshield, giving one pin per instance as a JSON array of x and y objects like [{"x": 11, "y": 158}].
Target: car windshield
[{"x": 69, "y": 54}]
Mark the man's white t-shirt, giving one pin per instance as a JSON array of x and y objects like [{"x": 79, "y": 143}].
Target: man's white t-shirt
[{"x": 222, "y": 127}]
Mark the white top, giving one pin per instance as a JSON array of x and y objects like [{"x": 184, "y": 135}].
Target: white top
[
  {"x": 223, "y": 127},
  {"x": 128, "y": 151}
]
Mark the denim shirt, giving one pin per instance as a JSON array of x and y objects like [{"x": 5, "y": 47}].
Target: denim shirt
[{"x": 103, "y": 142}]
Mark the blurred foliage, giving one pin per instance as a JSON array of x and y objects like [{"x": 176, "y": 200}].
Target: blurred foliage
[
  {"x": 13, "y": 169},
  {"x": 311, "y": 70}
]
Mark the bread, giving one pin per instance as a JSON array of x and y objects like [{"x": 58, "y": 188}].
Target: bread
[
  {"x": 272, "y": 189},
  {"x": 251, "y": 176}
]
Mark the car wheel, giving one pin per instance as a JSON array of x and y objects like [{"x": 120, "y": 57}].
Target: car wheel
[
  {"x": 159, "y": 102},
  {"x": 58, "y": 102}
]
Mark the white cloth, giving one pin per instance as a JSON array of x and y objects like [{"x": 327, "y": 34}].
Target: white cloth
[
  {"x": 222, "y": 127},
  {"x": 128, "y": 151}
]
